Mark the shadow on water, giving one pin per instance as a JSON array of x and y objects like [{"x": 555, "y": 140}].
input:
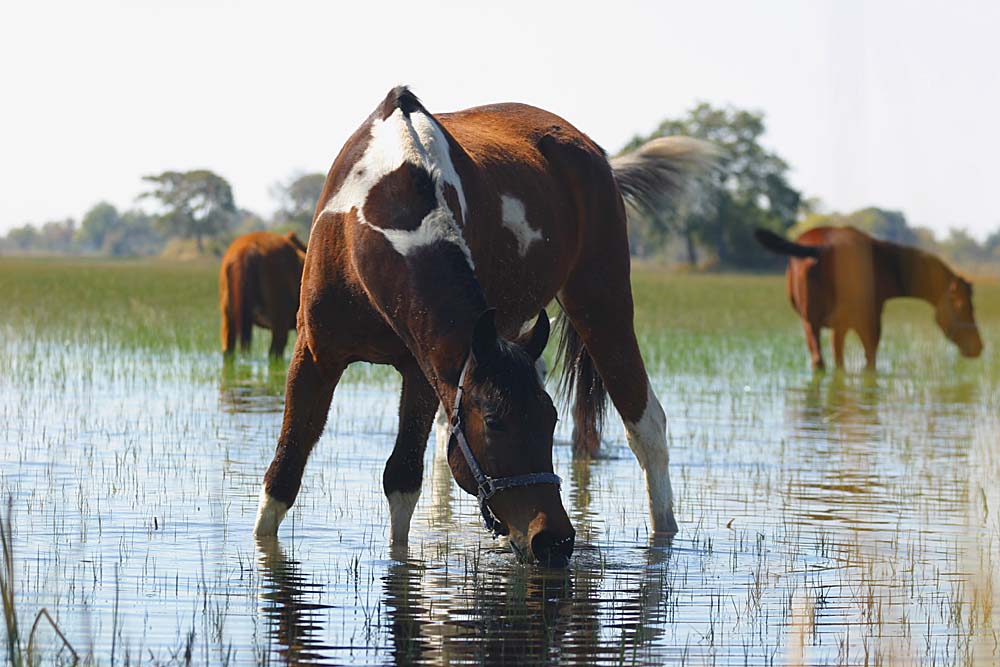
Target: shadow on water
[
  {"x": 294, "y": 618},
  {"x": 252, "y": 386}
]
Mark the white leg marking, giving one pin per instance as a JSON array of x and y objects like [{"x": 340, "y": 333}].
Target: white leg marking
[
  {"x": 397, "y": 140},
  {"x": 442, "y": 432},
  {"x": 401, "y": 505},
  {"x": 512, "y": 212},
  {"x": 648, "y": 440},
  {"x": 270, "y": 512}
]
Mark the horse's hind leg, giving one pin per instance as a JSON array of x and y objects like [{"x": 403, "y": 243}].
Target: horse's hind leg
[
  {"x": 404, "y": 470},
  {"x": 598, "y": 302},
  {"x": 307, "y": 401},
  {"x": 837, "y": 337},
  {"x": 812, "y": 332},
  {"x": 279, "y": 339},
  {"x": 870, "y": 339}
]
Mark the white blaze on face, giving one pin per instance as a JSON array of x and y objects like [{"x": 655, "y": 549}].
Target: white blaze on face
[
  {"x": 514, "y": 219},
  {"x": 396, "y": 141},
  {"x": 270, "y": 512},
  {"x": 648, "y": 441},
  {"x": 401, "y": 506}
]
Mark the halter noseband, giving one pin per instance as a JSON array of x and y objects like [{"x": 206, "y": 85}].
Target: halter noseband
[{"x": 486, "y": 486}]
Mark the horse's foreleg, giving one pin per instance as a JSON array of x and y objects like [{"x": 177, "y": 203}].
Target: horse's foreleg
[
  {"x": 405, "y": 468},
  {"x": 308, "y": 392}
]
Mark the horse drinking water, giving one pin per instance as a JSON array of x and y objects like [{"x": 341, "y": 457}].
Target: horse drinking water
[
  {"x": 436, "y": 241},
  {"x": 840, "y": 277}
]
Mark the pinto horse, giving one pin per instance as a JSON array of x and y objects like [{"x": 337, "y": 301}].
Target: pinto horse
[
  {"x": 436, "y": 241},
  {"x": 840, "y": 278},
  {"x": 259, "y": 283}
]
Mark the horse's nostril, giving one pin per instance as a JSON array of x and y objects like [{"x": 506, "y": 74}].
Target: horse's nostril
[{"x": 552, "y": 549}]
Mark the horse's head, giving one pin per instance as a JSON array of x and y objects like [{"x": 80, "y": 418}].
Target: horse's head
[
  {"x": 954, "y": 315},
  {"x": 507, "y": 419}
]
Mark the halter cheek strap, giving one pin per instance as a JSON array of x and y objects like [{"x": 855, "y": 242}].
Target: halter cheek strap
[{"x": 486, "y": 486}]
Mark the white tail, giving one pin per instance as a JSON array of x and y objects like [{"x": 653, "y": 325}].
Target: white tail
[{"x": 658, "y": 173}]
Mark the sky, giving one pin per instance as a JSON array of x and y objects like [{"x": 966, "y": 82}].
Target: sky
[{"x": 886, "y": 103}]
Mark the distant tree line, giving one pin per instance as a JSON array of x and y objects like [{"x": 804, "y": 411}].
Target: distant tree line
[
  {"x": 191, "y": 208},
  {"x": 195, "y": 212}
]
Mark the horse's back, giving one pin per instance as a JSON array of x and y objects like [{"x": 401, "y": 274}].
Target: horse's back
[
  {"x": 538, "y": 181},
  {"x": 513, "y": 132},
  {"x": 838, "y": 287},
  {"x": 267, "y": 269}
]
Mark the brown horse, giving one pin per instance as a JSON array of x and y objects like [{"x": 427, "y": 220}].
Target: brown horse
[
  {"x": 436, "y": 241},
  {"x": 840, "y": 278},
  {"x": 259, "y": 283}
]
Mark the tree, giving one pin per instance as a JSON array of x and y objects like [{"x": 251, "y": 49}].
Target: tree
[
  {"x": 880, "y": 223},
  {"x": 749, "y": 189},
  {"x": 57, "y": 236},
  {"x": 100, "y": 221},
  {"x": 297, "y": 201},
  {"x": 194, "y": 204},
  {"x": 135, "y": 235},
  {"x": 960, "y": 246},
  {"x": 24, "y": 238},
  {"x": 992, "y": 245}
]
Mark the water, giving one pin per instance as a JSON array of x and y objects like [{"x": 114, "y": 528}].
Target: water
[{"x": 832, "y": 519}]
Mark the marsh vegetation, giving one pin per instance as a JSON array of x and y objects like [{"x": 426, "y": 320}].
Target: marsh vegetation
[{"x": 844, "y": 518}]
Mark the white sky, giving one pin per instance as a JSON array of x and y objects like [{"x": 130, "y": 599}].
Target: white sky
[{"x": 894, "y": 104}]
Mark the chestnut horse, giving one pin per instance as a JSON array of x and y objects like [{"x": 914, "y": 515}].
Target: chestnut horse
[
  {"x": 436, "y": 241},
  {"x": 259, "y": 283},
  {"x": 840, "y": 278}
]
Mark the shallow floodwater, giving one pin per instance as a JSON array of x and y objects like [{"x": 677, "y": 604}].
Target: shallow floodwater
[{"x": 841, "y": 518}]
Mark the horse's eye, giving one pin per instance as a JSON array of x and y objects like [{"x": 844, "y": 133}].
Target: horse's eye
[{"x": 492, "y": 423}]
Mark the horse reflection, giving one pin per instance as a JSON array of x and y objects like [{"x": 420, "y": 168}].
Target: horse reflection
[
  {"x": 252, "y": 387},
  {"x": 511, "y": 614},
  {"x": 294, "y": 617}
]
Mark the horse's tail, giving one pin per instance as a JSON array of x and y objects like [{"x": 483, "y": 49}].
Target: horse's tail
[
  {"x": 782, "y": 246},
  {"x": 579, "y": 375},
  {"x": 653, "y": 176},
  {"x": 236, "y": 283}
]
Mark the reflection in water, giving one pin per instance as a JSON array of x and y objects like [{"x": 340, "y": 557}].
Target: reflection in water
[
  {"x": 492, "y": 610},
  {"x": 252, "y": 386},
  {"x": 294, "y": 620}
]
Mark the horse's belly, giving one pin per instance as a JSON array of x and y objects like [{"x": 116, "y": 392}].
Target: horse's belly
[{"x": 261, "y": 319}]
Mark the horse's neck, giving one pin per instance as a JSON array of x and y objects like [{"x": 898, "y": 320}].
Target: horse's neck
[
  {"x": 912, "y": 273},
  {"x": 437, "y": 329}
]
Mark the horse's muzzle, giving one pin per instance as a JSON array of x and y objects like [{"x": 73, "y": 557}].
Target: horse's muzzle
[{"x": 552, "y": 550}]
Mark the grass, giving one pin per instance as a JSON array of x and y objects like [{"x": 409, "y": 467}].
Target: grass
[{"x": 841, "y": 518}]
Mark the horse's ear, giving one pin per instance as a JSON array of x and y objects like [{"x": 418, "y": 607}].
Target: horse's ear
[
  {"x": 539, "y": 336},
  {"x": 484, "y": 336}
]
